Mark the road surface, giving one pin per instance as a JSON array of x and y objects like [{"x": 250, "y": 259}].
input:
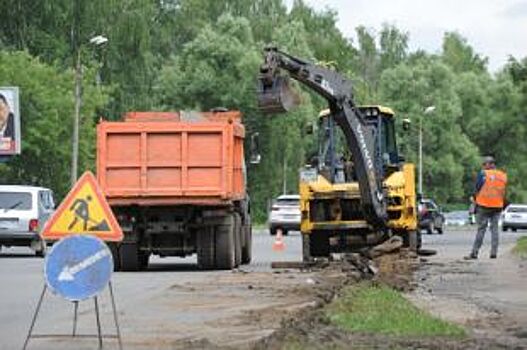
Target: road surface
[
  {"x": 489, "y": 296},
  {"x": 158, "y": 308},
  {"x": 175, "y": 306}
]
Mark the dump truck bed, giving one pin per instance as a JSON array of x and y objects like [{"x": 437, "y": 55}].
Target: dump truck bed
[{"x": 172, "y": 158}]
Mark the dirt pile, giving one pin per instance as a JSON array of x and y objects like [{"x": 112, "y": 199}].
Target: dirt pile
[{"x": 311, "y": 329}]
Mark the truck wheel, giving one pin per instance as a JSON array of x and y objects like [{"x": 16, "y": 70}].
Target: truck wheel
[
  {"x": 225, "y": 249},
  {"x": 130, "y": 259},
  {"x": 114, "y": 248},
  {"x": 238, "y": 230},
  {"x": 144, "y": 258},
  {"x": 306, "y": 248},
  {"x": 205, "y": 248},
  {"x": 413, "y": 239},
  {"x": 247, "y": 248},
  {"x": 319, "y": 244}
]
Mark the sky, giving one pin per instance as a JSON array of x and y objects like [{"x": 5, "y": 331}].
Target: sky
[{"x": 495, "y": 28}]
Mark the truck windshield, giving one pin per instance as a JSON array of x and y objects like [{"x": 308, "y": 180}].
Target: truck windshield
[{"x": 15, "y": 201}]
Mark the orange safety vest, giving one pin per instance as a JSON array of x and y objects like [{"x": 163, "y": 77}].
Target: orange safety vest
[{"x": 492, "y": 193}]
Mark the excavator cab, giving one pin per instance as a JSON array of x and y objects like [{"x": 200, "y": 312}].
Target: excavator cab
[{"x": 382, "y": 120}]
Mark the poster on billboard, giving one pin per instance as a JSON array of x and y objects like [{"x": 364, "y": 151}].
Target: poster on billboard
[{"x": 9, "y": 121}]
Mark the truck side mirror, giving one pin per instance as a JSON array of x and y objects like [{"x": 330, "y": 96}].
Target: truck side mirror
[
  {"x": 406, "y": 124},
  {"x": 255, "y": 148}
]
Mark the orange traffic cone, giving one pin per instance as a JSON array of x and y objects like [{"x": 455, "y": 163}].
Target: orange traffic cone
[{"x": 279, "y": 244}]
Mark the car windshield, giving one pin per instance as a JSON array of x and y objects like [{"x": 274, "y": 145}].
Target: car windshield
[
  {"x": 517, "y": 210},
  {"x": 15, "y": 201}
]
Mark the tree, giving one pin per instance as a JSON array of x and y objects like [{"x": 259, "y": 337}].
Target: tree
[
  {"x": 46, "y": 102},
  {"x": 448, "y": 153},
  {"x": 460, "y": 56}
]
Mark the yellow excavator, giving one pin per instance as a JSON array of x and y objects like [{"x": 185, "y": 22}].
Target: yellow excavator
[{"x": 353, "y": 199}]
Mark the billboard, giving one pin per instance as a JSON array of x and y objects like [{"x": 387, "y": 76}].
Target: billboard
[{"x": 9, "y": 121}]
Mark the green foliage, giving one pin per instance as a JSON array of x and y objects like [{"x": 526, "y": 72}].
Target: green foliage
[
  {"x": 200, "y": 54},
  {"x": 521, "y": 247},
  {"x": 46, "y": 109},
  {"x": 380, "y": 309}
]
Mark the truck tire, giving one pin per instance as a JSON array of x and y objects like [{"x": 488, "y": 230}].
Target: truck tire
[
  {"x": 205, "y": 248},
  {"x": 413, "y": 240},
  {"x": 114, "y": 248},
  {"x": 306, "y": 248},
  {"x": 319, "y": 244},
  {"x": 248, "y": 246},
  {"x": 238, "y": 231},
  {"x": 144, "y": 258},
  {"x": 224, "y": 259},
  {"x": 130, "y": 259}
]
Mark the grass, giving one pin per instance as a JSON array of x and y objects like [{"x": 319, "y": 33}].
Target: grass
[
  {"x": 521, "y": 247},
  {"x": 379, "y": 309}
]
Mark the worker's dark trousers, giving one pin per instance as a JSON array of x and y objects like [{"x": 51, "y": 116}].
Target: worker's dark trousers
[{"x": 484, "y": 216}]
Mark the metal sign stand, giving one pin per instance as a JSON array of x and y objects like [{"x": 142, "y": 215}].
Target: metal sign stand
[{"x": 74, "y": 334}]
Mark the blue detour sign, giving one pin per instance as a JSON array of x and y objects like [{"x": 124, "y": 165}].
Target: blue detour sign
[{"x": 78, "y": 267}]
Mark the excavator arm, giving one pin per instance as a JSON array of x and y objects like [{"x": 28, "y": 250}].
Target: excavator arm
[{"x": 276, "y": 96}]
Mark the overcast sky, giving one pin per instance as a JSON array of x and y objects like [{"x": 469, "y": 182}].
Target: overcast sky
[{"x": 495, "y": 28}]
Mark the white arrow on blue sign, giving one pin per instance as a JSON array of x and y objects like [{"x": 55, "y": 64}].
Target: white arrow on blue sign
[{"x": 78, "y": 267}]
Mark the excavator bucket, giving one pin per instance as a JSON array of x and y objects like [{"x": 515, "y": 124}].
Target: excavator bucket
[{"x": 276, "y": 96}]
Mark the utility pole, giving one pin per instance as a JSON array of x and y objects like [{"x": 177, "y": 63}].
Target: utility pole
[
  {"x": 428, "y": 110},
  {"x": 284, "y": 182},
  {"x": 76, "y": 119},
  {"x": 75, "y": 33}
]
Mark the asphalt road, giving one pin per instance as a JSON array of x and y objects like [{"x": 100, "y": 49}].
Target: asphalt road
[
  {"x": 137, "y": 295},
  {"x": 173, "y": 302},
  {"x": 486, "y": 295}
]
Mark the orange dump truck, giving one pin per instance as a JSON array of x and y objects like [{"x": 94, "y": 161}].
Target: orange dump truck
[{"x": 177, "y": 185}]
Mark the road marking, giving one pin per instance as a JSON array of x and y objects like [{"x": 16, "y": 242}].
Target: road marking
[{"x": 68, "y": 273}]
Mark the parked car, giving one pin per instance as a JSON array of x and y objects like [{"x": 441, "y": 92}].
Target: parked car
[
  {"x": 430, "y": 216},
  {"x": 285, "y": 214},
  {"x": 23, "y": 212},
  {"x": 514, "y": 217},
  {"x": 457, "y": 218}
]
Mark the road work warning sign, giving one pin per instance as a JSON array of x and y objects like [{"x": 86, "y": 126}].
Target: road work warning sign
[{"x": 83, "y": 211}]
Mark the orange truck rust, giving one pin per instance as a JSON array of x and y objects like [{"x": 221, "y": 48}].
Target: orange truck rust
[{"x": 177, "y": 184}]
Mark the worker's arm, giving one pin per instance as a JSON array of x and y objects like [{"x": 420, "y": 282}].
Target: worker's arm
[{"x": 480, "y": 181}]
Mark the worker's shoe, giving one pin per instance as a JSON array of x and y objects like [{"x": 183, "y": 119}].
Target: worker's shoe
[
  {"x": 471, "y": 257},
  {"x": 493, "y": 256}
]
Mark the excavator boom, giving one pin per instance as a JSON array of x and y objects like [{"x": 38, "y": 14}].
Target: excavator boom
[{"x": 275, "y": 96}]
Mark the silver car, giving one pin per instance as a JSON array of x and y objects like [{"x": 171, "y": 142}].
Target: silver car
[
  {"x": 23, "y": 212},
  {"x": 514, "y": 217},
  {"x": 285, "y": 214}
]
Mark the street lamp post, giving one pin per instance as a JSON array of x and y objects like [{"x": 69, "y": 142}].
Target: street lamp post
[
  {"x": 427, "y": 111},
  {"x": 96, "y": 41}
]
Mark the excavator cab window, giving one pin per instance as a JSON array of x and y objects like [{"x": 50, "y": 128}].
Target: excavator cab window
[{"x": 386, "y": 146}]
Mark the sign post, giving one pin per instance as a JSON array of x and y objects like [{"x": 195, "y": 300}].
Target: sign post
[
  {"x": 80, "y": 265},
  {"x": 77, "y": 268}
]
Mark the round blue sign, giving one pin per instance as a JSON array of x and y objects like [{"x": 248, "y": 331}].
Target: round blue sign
[{"x": 78, "y": 267}]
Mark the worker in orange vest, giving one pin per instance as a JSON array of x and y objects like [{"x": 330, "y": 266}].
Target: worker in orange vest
[{"x": 489, "y": 197}]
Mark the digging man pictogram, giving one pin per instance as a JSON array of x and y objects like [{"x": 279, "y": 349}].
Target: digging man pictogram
[{"x": 81, "y": 209}]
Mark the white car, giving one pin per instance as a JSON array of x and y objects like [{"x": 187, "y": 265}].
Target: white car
[
  {"x": 514, "y": 217},
  {"x": 457, "y": 218},
  {"x": 23, "y": 212},
  {"x": 285, "y": 214}
]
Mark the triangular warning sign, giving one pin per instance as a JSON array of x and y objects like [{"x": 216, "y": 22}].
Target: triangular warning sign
[{"x": 83, "y": 211}]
